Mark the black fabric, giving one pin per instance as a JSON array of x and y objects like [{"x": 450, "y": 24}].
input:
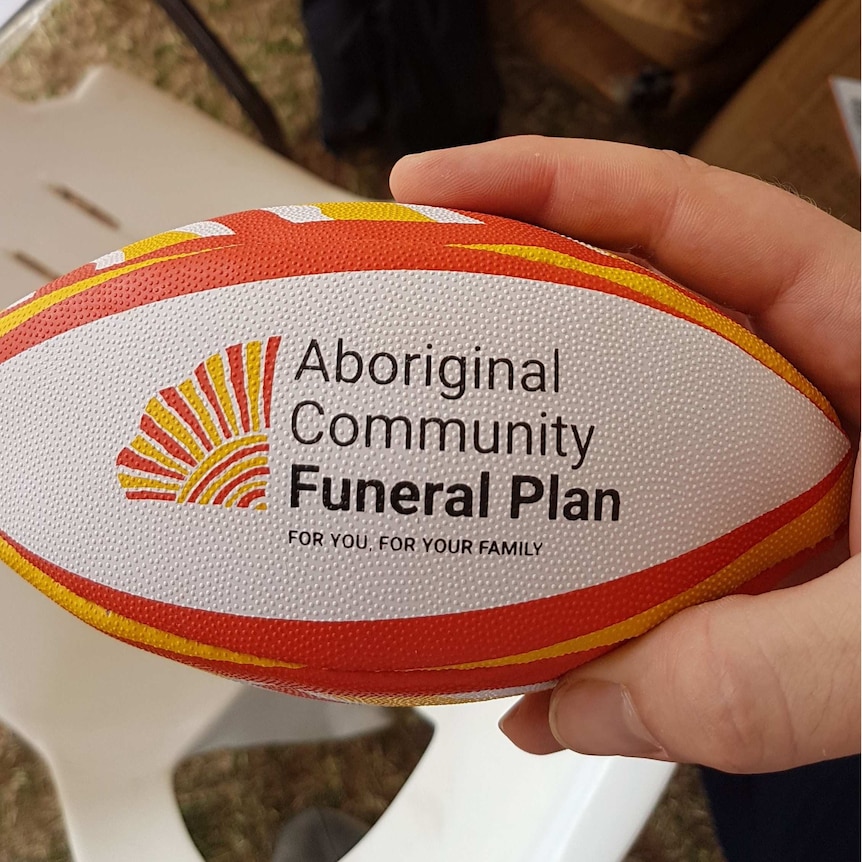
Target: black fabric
[
  {"x": 409, "y": 74},
  {"x": 809, "y": 814}
]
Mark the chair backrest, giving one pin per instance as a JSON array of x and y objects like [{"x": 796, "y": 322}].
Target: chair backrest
[{"x": 113, "y": 721}]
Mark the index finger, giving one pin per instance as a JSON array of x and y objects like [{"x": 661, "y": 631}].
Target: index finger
[{"x": 738, "y": 241}]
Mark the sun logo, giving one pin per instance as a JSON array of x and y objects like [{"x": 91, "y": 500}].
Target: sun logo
[{"x": 205, "y": 440}]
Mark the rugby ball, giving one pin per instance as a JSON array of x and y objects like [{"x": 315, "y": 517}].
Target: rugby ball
[{"x": 396, "y": 453}]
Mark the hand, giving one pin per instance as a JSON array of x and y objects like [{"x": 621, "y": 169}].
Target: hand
[{"x": 743, "y": 684}]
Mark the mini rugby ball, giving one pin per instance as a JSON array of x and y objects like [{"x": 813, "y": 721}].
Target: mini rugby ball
[{"x": 397, "y": 454}]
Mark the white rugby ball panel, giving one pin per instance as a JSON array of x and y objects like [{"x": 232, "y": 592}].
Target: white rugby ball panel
[{"x": 662, "y": 398}]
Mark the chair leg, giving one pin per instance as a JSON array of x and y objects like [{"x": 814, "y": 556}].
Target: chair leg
[
  {"x": 228, "y": 71},
  {"x": 110, "y": 817}
]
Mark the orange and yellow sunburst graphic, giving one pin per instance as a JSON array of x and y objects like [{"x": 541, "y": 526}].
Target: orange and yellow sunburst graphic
[{"x": 205, "y": 440}]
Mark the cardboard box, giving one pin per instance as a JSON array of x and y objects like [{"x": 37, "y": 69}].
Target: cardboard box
[
  {"x": 784, "y": 125},
  {"x": 674, "y": 33},
  {"x": 574, "y": 45}
]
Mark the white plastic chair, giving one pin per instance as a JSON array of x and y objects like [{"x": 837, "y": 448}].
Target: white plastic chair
[{"x": 80, "y": 176}]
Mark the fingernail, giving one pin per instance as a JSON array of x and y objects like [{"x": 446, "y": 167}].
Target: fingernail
[
  {"x": 597, "y": 717},
  {"x": 508, "y": 715},
  {"x": 526, "y": 725}
]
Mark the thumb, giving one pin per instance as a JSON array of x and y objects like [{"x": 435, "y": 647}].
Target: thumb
[{"x": 743, "y": 684}]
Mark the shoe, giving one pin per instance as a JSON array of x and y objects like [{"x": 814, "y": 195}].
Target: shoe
[{"x": 318, "y": 835}]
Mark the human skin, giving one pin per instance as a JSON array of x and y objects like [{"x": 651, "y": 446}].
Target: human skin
[{"x": 745, "y": 683}]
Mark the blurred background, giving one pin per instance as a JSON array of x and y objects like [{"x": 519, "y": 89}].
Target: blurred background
[
  {"x": 740, "y": 83},
  {"x": 764, "y": 87}
]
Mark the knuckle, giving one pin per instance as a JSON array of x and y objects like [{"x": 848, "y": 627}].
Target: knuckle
[
  {"x": 683, "y": 179},
  {"x": 684, "y": 163},
  {"x": 733, "y": 693}
]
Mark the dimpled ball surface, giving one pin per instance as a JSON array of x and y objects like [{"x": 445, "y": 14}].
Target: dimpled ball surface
[{"x": 398, "y": 454}]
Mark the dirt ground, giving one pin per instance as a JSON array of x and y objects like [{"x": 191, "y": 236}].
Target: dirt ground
[{"x": 234, "y": 802}]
